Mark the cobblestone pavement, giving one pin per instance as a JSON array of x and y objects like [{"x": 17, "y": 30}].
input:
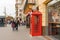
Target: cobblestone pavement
[{"x": 6, "y": 33}]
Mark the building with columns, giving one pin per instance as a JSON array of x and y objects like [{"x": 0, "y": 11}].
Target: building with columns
[
  {"x": 43, "y": 9},
  {"x": 42, "y": 6},
  {"x": 19, "y": 8}
]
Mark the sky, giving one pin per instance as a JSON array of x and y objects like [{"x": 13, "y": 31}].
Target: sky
[{"x": 10, "y": 7}]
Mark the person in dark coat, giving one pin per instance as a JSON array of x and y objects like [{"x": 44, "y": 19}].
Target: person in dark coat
[{"x": 17, "y": 22}]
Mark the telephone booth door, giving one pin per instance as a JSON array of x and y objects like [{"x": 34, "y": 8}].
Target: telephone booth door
[{"x": 36, "y": 25}]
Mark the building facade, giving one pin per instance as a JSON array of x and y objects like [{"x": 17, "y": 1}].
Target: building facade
[
  {"x": 19, "y": 9},
  {"x": 43, "y": 8}
]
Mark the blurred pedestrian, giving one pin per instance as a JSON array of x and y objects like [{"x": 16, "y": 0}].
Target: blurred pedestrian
[
  {"x": 20, "y": 21},
  {"x": 13, "y": 25},
  {"x": 16, "y": 25}
]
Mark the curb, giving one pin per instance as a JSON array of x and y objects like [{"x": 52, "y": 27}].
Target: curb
[{"x": 47, "y": 38}]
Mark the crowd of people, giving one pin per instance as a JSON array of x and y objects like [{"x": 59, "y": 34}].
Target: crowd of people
[{"x": 15, "y": 24}]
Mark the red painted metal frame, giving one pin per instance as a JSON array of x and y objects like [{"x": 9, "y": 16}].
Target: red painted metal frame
[{"x": 39, "y": 25}]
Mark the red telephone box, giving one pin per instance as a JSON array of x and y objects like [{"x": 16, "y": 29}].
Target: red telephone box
[{"x": 36, "y": 23}]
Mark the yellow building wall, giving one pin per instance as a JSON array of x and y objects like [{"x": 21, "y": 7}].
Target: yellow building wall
[
  {"x": 42, "y": 4},
  {"x": 41, "y": 1},
  {"x": 43, "y": 9}
]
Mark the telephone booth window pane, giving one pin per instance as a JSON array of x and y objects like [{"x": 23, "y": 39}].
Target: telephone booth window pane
[{"x": 36, "y": 23}]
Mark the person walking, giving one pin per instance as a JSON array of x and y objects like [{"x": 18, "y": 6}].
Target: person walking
[
  {"x": 13, "y": 25},
  {"x": 16, "y": 25}
]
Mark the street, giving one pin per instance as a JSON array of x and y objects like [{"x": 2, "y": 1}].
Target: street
[{"x": 6, "y": 33}]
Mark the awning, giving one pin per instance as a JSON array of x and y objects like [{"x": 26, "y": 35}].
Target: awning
[{"x": 53, "y": 2}]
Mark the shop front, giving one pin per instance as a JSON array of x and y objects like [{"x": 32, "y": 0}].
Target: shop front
[{"x": 54, "y": 19}]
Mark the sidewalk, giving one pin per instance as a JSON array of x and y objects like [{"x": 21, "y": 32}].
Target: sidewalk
[{"x": 6, "y": 33}]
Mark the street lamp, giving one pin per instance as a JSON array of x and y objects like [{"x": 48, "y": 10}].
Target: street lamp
[{"x": 5, "y": 11}]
